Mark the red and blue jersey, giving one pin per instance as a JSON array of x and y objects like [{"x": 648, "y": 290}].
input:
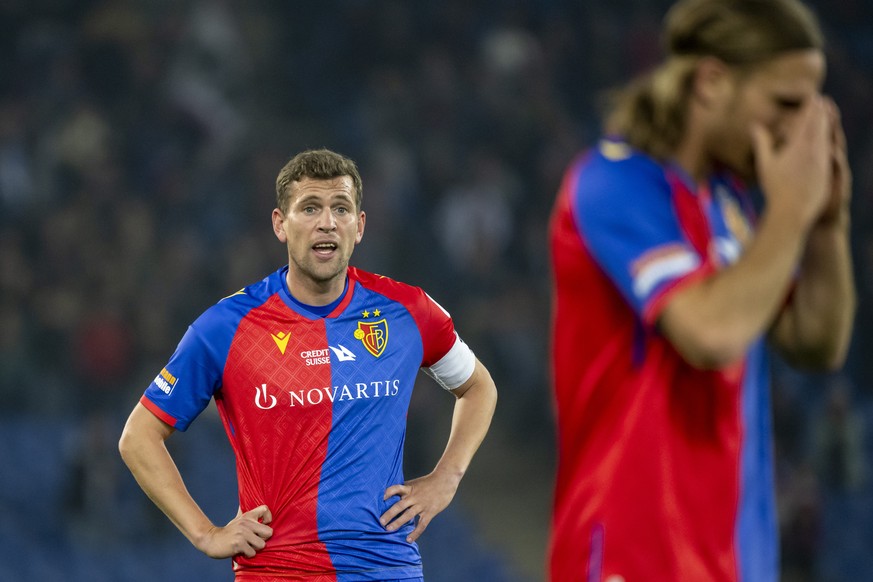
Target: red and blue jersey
[
  {"x": 664, "y": 471},
  {"x": 315, "y": 409}
]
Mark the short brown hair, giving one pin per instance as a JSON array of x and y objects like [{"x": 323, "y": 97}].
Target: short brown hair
[
  {"x": 321, "y": 164},
  {"x": 650, "y": 113}
]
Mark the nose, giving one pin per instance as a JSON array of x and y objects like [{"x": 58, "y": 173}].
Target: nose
[{"x": 326, "y": 220}]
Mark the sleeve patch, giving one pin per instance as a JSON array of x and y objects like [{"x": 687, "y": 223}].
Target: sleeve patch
[{"x": 661, "y": 265}]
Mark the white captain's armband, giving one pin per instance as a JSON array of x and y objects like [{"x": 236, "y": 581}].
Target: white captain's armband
[{"x": 455, "y": 367}]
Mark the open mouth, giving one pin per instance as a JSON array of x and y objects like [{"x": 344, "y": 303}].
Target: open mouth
[{"x": 325, "y": 248}]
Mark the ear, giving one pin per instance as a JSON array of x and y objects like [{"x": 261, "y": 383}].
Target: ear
[
  {"x": 278, "y": 220},
  {"x": 712, "y": 81},
  {"x": 362, "y": 220}
]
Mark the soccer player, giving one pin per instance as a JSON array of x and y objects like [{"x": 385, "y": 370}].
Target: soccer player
[
  {"x": 666, "y": 286},
  {"x": 312, "y": 370}
]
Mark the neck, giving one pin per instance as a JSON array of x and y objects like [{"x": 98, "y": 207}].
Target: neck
[
  {"x": 316, "y": 293},
  {"x": 690, "y": 156}
]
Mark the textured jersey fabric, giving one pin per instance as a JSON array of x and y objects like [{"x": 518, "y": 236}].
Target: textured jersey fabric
[
  {"x": 315, "y": 409},
  {"x": 664, "y": 470}
]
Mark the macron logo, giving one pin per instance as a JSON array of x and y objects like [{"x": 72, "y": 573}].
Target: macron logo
[
  {"x": 281, "y": 340},
  {"x": 342, "y": 353}
]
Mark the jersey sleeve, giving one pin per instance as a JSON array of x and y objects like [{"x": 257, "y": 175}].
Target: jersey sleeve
[
  {"x": 625, "y": 213},
  {"x": 436, "y": 327},
  {"x": 183, "y": 388},
  {"x": 449, "y": 367},
  {"x": 455, "y": 367}
]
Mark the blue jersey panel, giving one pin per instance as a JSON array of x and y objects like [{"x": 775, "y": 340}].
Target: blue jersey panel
[
  {"x": 373, "y": 376},
  {"x": 757, "y": 533},
  {"x": 623, "y": 207}
]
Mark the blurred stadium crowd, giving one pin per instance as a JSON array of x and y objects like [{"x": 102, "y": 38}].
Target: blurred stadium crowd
[{"x": 139, "y": 144}]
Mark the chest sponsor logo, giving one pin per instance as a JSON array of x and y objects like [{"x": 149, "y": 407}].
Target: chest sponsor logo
[
  {"x": 322, "y": 356},
  {"x": 267, "y": 398},
  {"x": 281, "y": 340},
  {"x": 374, "y": 335},
  {"x": 263, "y": 399},
  {"x": 315, "y": 357}
]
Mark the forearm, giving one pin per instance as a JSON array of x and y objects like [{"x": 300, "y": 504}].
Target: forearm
[
  {"x": 815, "y": 329},
  {"x": 426, "y": 496},
  {"x": 712, "y": 322},
  {"x": 146, "y": 455},
  {"x": 471, "y": 419}
]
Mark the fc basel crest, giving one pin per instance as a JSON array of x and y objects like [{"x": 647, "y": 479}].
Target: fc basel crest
[
  {"x": 735, "y": 219},
  {"x": 374, "y": 335}
]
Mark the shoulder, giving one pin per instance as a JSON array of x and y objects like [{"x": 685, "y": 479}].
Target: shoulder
[
  {"x": 613, "y": 181},
  {"x": 225, "y": 315},
  {"x": 403, "y": 293},
  {"x": 427, "y": 313},
  {"x": 615, "y": 167},
  {"x": 434, "y": 324}
]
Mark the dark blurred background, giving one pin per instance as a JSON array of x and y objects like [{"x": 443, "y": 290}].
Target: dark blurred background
[{"x": 139, "y": 144}]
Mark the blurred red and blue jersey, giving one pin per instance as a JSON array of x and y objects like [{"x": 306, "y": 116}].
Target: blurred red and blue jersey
[
  {"x": 664, "y": 471},
  {"x": 315, "y": 409}
]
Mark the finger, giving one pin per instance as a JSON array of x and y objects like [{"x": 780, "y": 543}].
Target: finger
[
  {"x": 838, "y": 141},
  {"x": 393, "y": 512},
  {"x": 833, "y": 116},
  {"x": 246, "y": 550},
  {"x": 422, "y": 524},
  {"x": 401, "y": 520},
  {"x": 841, "y": 173},
  {"x": 399, "y": 490},
  {"x": 816, "y": 121},
  {"x": 262, "y": 531},
  {"x": 254, "y": 541},
  {"x": 762, "y": 144},
  {"x": 841, "y": 164},
  {"x": 260, "y": 513}
]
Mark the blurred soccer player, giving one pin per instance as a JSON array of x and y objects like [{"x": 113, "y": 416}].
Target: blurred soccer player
[
  {"x": 666, "y": 286},
  {"x": 312, "y": 371}
]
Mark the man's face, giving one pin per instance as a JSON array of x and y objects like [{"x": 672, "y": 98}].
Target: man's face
[
  {"x": 320, "y": 228},
  {"x": 771, "y": 95}
]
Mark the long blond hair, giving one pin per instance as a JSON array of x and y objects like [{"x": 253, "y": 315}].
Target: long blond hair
[{"x": 650, "y": 112}]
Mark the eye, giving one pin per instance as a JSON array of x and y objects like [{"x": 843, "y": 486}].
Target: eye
[
  {"x": 341, "y": 210},
  {"x": 789, "y": 104},
  {"x": 309, "y": 210}
]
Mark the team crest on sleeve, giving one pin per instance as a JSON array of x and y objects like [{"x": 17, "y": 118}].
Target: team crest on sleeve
[{"x": 374, "y": 335}]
